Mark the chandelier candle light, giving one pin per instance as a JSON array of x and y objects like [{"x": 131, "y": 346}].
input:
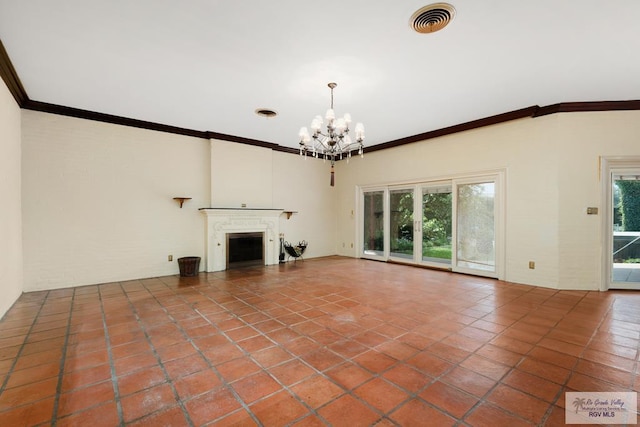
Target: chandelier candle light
[{"x": 335, "y": 142}]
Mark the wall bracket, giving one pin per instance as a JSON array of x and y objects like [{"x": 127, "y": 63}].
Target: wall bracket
[{"x": 181, "y": 200}]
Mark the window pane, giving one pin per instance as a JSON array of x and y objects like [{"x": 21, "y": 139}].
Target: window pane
[
  {"x": 373, "y": 223},
  {"x": 436, "y": 224},
  {"x": 476, "y": 226},
  {"x": 401, "y": 212}
]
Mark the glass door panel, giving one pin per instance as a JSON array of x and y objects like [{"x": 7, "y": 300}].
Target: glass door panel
[
  {"x": 475, "y": 227},
  {"x": 373, "y": 233},
  {"x": 436, "y": 225},
  {"x": 401, "y": 231},
  {"x": 454, "y": 224},
  {"x": 625, "y": 267}
]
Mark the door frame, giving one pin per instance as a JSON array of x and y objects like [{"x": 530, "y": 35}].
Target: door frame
[
  {"x": 359, "y": 246},
  {"x": 409, "y": 188},
  {"x": 419, "y": 239},
  {"x": 497, "y": 178},
  {"x": 608, "y": 166}
]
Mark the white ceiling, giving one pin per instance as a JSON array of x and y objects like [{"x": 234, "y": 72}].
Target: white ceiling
[{"x": 209, "y": 64}]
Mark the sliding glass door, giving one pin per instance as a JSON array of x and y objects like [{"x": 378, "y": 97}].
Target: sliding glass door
[
  {"x": 475, "y": 227},
  {"x": 436, "y": 224},
  {"x": 401, "y": 227},
  {"x": 453, "y": 224},
  {"x": 373, "y": 224}
]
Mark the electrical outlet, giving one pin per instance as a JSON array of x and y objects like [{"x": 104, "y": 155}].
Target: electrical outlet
[
  {"x": 170, "y": 258},
  {"x": 532, "y": 265},
  {"x": 352, "y": 246}
]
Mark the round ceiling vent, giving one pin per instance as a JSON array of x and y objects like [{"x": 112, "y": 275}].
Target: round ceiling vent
[
  {"x": 432, "y": 18},
  {"x": 266, "y": 112}
]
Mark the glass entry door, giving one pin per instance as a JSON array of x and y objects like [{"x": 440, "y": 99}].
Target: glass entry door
[{"x": 625, "y": 229}]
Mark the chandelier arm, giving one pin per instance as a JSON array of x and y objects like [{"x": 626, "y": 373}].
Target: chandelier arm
[{"x": 322, "y": 144}]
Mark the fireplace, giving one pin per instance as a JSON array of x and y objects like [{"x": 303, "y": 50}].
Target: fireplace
[
  {"x": 222, "y": 222},
  {"x": 245, "y": 249}
]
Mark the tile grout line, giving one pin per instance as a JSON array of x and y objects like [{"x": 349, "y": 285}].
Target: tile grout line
[
  {"x": 63, "y": 359},
  {"x": 375, "y": 375},
  {"x": 112, "y": 366},
  {"x": 512, "y": 369},
  {"x": 481, "y": 399},
  {"x": 155, "y": 353},
  {"x": 227, "y": 386},
  {"x": 262, "y": 368},
  {"x": 572, "y": 371},
  {"x": 285, "y": 387},
  {"x": 317, "y": 371},
  {"x": 563, "y": 386},
  {"x": 246, "y": 353},
  {"x": 579, "y": 309},
  {"x": 236, "y": 343},
  {"x": 24, "y": 342}
]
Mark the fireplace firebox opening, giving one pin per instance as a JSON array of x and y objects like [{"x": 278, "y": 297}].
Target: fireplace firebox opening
[{"x": 245, "y": 249}]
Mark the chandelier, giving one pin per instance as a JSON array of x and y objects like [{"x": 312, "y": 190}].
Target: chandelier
[{"x": 334, "y": 142}]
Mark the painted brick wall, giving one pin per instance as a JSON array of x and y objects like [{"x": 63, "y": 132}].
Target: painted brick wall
[
  {"x": 10, "y": 201},
  {"x": 552, "y": 176},
  {"x": 98, "y": 201}
]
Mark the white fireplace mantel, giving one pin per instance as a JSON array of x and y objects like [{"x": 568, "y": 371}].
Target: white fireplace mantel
[{"x": 222, "y": 221}]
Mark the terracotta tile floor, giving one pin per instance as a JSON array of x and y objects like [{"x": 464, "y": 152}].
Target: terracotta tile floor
[{"x": 331, "y": 341}]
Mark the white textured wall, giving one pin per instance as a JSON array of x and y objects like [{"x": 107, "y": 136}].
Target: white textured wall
[
  {"x": 302, "y": 185},
  {"x": 241, "y": 174},
  {"x": 97, "y": 201},
  {"x": 581, "y": 139},
  {"x": 97, "y": 198},
  {"x": 262, "y": 178},
  {"x": 10, "y": 201},
  {"x": 552, "y": 175}
]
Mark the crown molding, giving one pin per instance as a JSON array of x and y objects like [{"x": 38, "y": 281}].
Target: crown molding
[
  {"x": 61, "y": 110},
  {"x": 574, "y": 107},
  {"x": 462, "y": 127},
  {"x": 11, "y": 79},
  {"x": 249, "y": 141}
]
